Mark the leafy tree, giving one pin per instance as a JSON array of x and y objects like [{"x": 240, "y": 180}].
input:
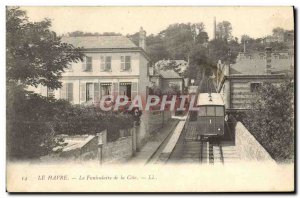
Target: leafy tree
[
  {"x": 224, "y": 30},
  {"x": 271, "y": 119},
  {"x": 278, "y": 31},
  {"x": 179, "y": 38},
  {"x": 223, "y": 50},
  {"x": 156, "y": 48},
  {"x": 35, "y": 54}
]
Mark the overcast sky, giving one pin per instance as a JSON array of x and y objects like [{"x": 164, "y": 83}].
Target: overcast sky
[{"x": 253, "y": 21}]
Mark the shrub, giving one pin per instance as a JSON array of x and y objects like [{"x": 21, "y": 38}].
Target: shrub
[
  {"x": 33, "y": 121},
  {"x": 271, "y": 119}
]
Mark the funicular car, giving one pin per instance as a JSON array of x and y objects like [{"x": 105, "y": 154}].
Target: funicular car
[{"x": 211, "y": 115}]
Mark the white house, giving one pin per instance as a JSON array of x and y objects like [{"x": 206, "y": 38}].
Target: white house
[{"x": 113, "y": 65}]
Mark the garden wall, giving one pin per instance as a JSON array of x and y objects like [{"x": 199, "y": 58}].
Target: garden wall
[{"x": 119, "y": 150}]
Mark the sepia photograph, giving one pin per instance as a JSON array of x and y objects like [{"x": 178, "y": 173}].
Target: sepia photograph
[{"x": 150, "y": 99}]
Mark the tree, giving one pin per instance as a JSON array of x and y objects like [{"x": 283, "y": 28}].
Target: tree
[
  {"x": 271, "y": 119},
  {"x": 224, "y": 30},
  {"x": 223, "y": 50},
  {"x": 35, "y": 54},
  {"x": 278, "y": 31}
]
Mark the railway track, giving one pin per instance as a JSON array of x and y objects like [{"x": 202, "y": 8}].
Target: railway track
[{"x": 198, "y": 150}]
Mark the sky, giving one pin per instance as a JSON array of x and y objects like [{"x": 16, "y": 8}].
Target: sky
[{"x": 253, "y": 21}]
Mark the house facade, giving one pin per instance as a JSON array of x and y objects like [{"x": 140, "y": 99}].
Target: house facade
[
  {"x": 113, "y": 65},
  {"x": 238, "y": 82}
]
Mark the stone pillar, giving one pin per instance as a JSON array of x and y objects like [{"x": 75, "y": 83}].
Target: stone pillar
[
  {"x": 134, "y": 141},
  {"x": 102, "y": 140},
  {"x": 142, "y": 39},
  {"x": 227, "y": 94},
  {"x": 268, "y": 60}
]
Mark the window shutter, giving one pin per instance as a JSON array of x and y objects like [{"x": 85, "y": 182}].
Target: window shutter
[
  {"x": 84, "y": 64},
  {"x": 96, "y": 92},
  {"x": 63, "y": 91},
  {"x": 89, "y": 63},
  {"x": 108, "y": 63},
  {"x": 82, "y": 92},
  {"x": 134, "y": 90},
  {"x": 102, "y": 63},
  {"x": 115, "y": 90},
  {"x": 127, "y": 62},
  {"x": 122, "y": 63},
  {"x": 70, "y": 91}
]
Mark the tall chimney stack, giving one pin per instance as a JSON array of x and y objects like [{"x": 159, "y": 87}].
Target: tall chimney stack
[
  {"x": 142, "y": 40},
  {"x": 268, "y": 51},
  {"x": 215, "y": 28}
]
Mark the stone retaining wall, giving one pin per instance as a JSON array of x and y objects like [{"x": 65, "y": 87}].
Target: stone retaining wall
[{"x": 248, "y": 147}]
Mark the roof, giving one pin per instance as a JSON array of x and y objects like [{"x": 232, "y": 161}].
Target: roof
[
  {"x": 204, "y": 99},
  {"x": 169, "y": 74},
  {"x": 100, "y": 42},
  {"x": 257, "y": 66},
  {"x": 75, "y": 141}
]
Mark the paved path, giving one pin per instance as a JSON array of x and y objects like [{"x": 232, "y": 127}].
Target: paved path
[{"x": 143, "y": 156}]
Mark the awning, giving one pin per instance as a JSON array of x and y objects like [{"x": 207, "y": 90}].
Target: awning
[
  {"x": 125, "y": 83},
  {"x": 105, "y": 84}
]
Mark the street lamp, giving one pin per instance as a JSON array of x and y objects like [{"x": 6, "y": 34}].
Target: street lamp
[{"x": 192, "y": 81}]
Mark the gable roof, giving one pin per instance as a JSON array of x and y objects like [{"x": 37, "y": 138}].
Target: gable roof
[{"x": 100, "y": 42}]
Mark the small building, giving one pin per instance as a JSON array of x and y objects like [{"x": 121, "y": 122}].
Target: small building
[
  {"x": 239, "y": 81},
  {"x": 166, "y": 78}
]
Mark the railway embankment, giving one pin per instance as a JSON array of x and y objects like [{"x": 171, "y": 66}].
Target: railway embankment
[{"x": 249, "y": 149}]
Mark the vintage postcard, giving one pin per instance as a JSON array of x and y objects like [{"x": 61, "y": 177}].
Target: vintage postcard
[{"x": 150, "y": 99}]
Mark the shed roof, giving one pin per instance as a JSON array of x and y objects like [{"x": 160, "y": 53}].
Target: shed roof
[{"x": 75, "y": 141}]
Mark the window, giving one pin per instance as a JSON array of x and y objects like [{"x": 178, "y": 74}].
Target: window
[
  {"x": 125, "y": 63},
  {"x": 105, "y": 63},
  {"x": 210, "y": 111},
  {"x": 87, "y": 64},
  {"x": 125, "y": 89},
  {"x": 67, "y": 92},
  {"x": 219, "y": 111},
  {"x": 254, "y": 87},
  {"x": 202, "y": 111},
  {"x": 105, "y": 89},
  {"x": 50, "y": 93}
]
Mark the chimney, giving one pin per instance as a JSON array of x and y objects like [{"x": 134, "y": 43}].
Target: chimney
[
  {"x": 268, "y": 51},
  {"x": 215, "y": 27},
  {"x": 142, "y": 40}
]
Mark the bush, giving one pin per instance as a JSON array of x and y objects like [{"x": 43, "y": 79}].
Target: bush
[
  {"x": 33, "y": 121},
  {"x": 79, "y": 120},
  {"x": 29, "y": 117},
  {"x": 271, "y": 119}
]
